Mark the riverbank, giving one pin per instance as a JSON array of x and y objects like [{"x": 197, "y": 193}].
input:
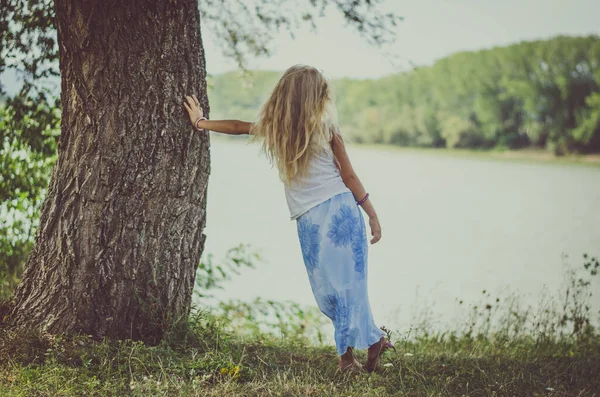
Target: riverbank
[
  {"x": 206, "y": 361},
  {"x": 522, "y": 155}
]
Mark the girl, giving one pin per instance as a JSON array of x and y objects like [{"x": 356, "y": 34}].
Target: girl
[{"x": 299, "y": 133}]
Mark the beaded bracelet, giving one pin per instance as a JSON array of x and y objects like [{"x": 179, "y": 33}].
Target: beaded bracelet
[
  {"x": 196, "y": 122},
  {"x": 363, "y": 200}
]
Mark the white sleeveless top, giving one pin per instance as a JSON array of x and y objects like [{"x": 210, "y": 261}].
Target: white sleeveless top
[{"x": 323, "y": 182}]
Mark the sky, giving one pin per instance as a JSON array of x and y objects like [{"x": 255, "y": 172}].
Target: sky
[{"x": 431, "y": 29}]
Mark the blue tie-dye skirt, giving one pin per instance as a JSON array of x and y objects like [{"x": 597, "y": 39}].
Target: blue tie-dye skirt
[{"x": 334, "y": 246}]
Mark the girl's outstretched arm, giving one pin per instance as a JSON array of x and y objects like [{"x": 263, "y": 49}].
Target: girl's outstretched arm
[
  {"x": 234, "y": 127},
  {"x": 354, "y": 184}
]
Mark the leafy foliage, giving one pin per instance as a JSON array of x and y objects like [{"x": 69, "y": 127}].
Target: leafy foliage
[
  {"x": 265, "y": 316},
  {"x": 211, "y": 275},
  {"x": 28, "y": 132}
]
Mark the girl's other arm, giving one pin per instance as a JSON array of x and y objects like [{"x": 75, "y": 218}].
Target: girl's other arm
[{"x": 354, "y": 184}]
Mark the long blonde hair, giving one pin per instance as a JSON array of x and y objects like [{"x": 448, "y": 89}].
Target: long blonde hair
[{"x": 298, "y": 117}]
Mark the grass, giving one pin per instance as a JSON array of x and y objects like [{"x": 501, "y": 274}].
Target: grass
[
  {"x": 204, "y": 360},
  {"x": 428, "y": 367},
  {"x": 554, "y": 352}
]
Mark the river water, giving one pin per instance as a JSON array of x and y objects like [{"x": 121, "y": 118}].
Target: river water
[{"x": 452, "y": 227}]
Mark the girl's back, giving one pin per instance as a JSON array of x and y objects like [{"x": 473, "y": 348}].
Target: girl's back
[{"x": 323, "y": 182}]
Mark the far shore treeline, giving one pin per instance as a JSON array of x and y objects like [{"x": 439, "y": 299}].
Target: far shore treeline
[{"x": 543, "y": 94}]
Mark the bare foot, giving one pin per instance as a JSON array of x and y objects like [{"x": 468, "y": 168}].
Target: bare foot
[
  {"x": 348, "y": 362},
  {"x": 374, "y": 354},
  {"x": 347, "y": 366}
]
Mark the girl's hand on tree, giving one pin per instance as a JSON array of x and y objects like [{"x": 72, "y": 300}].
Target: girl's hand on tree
[
  {"x": 375, "y": 229},
  {"x": 193, "y": 108}
]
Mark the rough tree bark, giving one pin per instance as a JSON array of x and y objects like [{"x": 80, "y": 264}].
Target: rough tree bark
[{"x": 120, "y": 233}]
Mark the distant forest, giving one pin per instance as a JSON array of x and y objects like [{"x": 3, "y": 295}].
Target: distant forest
[{"x": 542, "y": 94}]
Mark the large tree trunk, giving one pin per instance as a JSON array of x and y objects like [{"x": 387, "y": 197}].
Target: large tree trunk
[{"x": 120, "y": 233}]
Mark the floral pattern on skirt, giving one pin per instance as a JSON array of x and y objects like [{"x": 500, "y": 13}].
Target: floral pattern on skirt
[{"x": 333, "y": 240}]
